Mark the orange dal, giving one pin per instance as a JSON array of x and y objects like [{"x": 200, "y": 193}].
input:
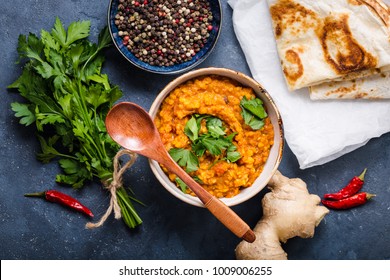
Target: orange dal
[{"x": 219, "y": 97}]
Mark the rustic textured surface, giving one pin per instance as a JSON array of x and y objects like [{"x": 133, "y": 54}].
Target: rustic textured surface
[{"x": 34, "y": 229}]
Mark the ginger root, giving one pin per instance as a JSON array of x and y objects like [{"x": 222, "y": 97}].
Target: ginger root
[{"x": 289, "y": 210}]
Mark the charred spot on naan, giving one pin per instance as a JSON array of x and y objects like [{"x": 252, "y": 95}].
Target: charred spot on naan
[
  {"x": 355, "y": 2},
  {"x": 292, "y": 66},
  {"x": 342, "y": 91},
  {"x": 290, "y": 15},
  {"x": 352, "y": 91},
  {"x": 381, "y": 9},
  {"x": 341, "y": 50}
]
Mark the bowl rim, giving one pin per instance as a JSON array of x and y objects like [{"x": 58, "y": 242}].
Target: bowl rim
[
  {"x": 159, "y": 173},
  {"x": 154, "y": 69}
]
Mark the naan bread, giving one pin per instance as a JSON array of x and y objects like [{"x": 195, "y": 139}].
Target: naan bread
[
  {"x": 376, "y": 86},
  {"x": 322, "y": 41}
]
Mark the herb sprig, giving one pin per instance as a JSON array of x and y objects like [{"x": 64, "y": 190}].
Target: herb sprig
[
  {"x": 253, "y": 112},
  {"x": 215, "y": 141},
  {"x": 67, "y": 99}
]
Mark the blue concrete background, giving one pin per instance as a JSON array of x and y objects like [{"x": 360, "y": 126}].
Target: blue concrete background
[{"x": 34, "y": 229}]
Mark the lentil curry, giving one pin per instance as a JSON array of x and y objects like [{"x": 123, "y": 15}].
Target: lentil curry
[{"x": 219, "y": 97}]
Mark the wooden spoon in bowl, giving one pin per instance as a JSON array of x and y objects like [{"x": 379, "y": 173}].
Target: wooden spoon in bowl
[{"x": 133, "y": 128}]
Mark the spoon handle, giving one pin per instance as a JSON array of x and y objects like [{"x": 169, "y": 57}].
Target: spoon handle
[
  {"x": 219, "y": 209},
  {"x": 230, "y": 219}
]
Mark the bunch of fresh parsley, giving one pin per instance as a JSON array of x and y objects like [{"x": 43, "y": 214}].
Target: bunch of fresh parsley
[{"x": 67, "y": 99}]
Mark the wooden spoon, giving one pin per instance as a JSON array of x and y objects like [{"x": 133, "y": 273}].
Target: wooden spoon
[{"x": 133, "y": 128}]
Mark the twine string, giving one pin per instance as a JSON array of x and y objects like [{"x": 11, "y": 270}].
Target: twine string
[{"x": 115, "y": 184}]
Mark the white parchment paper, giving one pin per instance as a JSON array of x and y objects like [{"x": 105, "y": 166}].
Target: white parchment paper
[{"x": 316, "y": 131}]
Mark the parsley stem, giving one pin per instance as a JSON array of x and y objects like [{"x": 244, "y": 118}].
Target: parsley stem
[
  {"x": 132, "y": 217},
  {"x": 86, "y": 119},
  {"x": 67, "y": 156},
  {"x": 91, "y": 140},
  {"x": 129, "y": 221}
]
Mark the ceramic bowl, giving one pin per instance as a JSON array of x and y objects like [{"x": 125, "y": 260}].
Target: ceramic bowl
[
  {"x": 276, "y": 151},
  {"x": 198, "y": 58}
]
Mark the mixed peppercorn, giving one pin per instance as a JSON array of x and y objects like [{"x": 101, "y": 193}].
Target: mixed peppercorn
[{"x": 164, "y": 32}]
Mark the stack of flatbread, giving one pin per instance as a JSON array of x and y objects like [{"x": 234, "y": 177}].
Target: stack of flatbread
[{"x": 340, "y": 49}]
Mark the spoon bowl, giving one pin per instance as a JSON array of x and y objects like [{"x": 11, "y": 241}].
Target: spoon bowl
[{"x": 133, "y": 128}]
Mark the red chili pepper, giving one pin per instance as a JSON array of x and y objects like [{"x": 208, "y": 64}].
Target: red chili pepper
[
  {"x": 61, "y": 198},
  {"x": 352, "y": 188},
  {"x": 349, "y": 202}
]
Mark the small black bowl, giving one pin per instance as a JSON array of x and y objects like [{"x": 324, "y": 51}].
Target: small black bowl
[{"x": 199, "y": 57}]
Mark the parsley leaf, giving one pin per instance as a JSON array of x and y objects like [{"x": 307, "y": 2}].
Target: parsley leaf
[
  {"x": 47, "y": 146},
  {"x": 215, "y": 127},
  {"x": 24, "y": 112},
  {"x": 253, "y": 112},
  {"x": 75, "y": 171},
  {"x": 77, "y": 30},
  {"x": 215, "y": 145},
  {"x": 183, "y": 186},
  {"x": 192, "y": 127},
  {"x": 185, "y": 158},
  {"x": 232, "y": 155}
]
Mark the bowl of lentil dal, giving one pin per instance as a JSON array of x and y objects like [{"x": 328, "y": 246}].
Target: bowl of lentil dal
[
  {"x": 165, "y": 36},
  {"x": 224, "y": 129}
]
